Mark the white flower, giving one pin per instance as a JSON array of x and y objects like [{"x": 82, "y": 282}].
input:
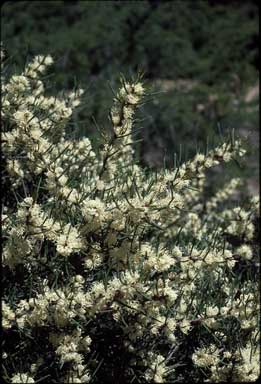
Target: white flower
[
  {"x": 22, "y": 378},
  {"x": 212, "y": 311},
  {"x": 139, "y": 89},
  {"x": 69, "y": 241},
  {"x": 245, "y": 251}
]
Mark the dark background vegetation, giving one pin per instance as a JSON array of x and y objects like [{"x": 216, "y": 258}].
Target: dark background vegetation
[{"x": 201, "y": 56}]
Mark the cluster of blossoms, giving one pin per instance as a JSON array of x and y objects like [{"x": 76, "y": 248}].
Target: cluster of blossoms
[{"x": 113, "y": 272}]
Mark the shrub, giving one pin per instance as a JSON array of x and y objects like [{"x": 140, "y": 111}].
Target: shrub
[{"x": 112, "y": 273}]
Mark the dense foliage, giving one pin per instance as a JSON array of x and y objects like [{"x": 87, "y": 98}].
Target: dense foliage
[
  {"x": 211, "y": 45},
  {"x": 112, "y": 272}
]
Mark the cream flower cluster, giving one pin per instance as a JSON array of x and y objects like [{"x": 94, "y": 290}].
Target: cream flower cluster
[
  {"x": 8, "y": 315},
  {"x": 240, "y": 222},
  {"x": 241, "y": 366},
  {"x": 206, "y": 356},
  {"x": 157, "y": 369},
  {"x": 221, "y": 195},
  {"x": 118, "y": 151},
  {"x": 69, "y": 348}
]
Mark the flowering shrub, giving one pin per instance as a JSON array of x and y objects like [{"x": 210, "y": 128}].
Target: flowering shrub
[{"x": 112, "y": 273}]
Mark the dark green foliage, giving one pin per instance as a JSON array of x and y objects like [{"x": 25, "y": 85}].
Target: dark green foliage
[{"x": 212, "y": 45}]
